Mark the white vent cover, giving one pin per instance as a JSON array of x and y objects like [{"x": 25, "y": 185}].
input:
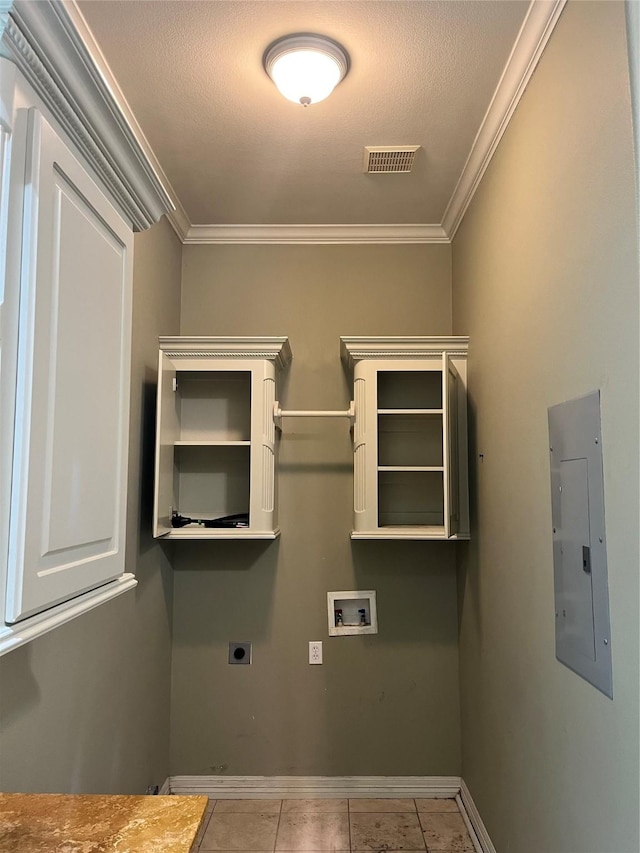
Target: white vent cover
[{"x": 383, "y": 159}]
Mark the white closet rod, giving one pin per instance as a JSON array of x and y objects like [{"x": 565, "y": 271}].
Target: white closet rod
[{"x": 278, "y": 413}]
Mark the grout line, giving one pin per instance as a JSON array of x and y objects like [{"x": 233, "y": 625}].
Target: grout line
[
  {"x": 275, "y": 839},
  {"x": 424, "y": 840}
]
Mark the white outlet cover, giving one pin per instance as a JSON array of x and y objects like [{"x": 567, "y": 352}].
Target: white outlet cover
[{"x": 315, "y": 651}]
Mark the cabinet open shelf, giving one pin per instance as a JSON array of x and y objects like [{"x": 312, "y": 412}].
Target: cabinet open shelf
[
  {"x": 410, "y": 412},
  {"x": 410, "y": 468},
  {"x": 410, "y": 440},
  {"x": 212, "y": 443},
  {"x": 214, "y": 405},
  {"x": 407, "y": 389},
  {"x": 211, "y": 481}
]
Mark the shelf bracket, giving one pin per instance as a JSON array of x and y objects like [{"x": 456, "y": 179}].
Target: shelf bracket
[{"x": 278, "y": 414}]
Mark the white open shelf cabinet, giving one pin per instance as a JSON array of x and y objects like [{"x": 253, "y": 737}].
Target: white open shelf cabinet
[
  {"x": 215, "y": 435},
  {"x": 410, "y": 437}
]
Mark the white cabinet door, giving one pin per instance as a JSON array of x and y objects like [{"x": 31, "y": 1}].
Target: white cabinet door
[
  {"x": 167, "y": 434},
  {"x": 451, "y": 416},
  {"x": 67, "y": 523}
]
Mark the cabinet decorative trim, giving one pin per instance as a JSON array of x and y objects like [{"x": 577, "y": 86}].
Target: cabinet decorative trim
[
  {"x": 408, "y": 353},
  {"x": 276, "y": 349},
  {"x": 359, "y": 348},
  {"x": 42, "y": 39},
  {"x": 212, "y": 353}
]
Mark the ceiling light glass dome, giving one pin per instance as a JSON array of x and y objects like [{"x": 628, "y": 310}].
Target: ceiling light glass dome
[{"x": 306, "y": 68}]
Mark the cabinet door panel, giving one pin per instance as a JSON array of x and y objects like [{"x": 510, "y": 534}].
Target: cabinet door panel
[
  {"x": 167, "y": 433},
  {"x": 68, "y": 505}
]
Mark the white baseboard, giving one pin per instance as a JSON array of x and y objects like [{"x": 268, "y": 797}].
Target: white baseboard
[
  {"x": 300, "y": 787},
  {"x": 469, "y": 808},
  {"x": 292, "y": 787},
  {"x": 165, "y": 788}
]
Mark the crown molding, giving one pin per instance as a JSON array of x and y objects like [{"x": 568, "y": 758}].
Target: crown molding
[
  {"x": 51, "y": 44},
  {"x": 534, "y": 34},
  {"x": 314, "y": 234},
  {"x": 541, "y": 19},
  {"x": 179, "y": 220},
  {"x": 632, "y": 10}
]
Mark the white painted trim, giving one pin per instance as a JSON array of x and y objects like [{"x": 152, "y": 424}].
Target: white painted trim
[
  {"x": 12, "y": 636},
  {"x": 534, "y": 34},
  {"x": 471, "y": 814},
  {"x": 165, "y": 788},
  {"x": 178, "y": 218},
  {"x": 632, "y": 9},
  {"x": 470, "y": 829},
  {"x": 297, "y": 787},
  {"x": 52, "y": 45},
  {"x": 314, "y": 234}
]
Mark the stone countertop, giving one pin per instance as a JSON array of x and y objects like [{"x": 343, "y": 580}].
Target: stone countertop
[{"x": 78, "y": 823}]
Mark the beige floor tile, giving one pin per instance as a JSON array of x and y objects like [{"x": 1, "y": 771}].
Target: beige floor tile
[
  {"x": 388, "y": 831},
  {"x": 240, "y": 832},
  {"x": 318, "y": 806},
  {"x": 308, "y": 832},
  {"x": 437, "y": 805},
  {"x": 210, "y": 806},
  {"x": 445, "y": 832},
  {"x": 248, "y": 806},
  {"x": 364, "y": 804}
]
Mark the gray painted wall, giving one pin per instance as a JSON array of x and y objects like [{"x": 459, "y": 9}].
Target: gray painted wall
[
  {"x": 85, "y": 708},
  {"x": 385, "y": 704},
  {"x": 545, "y": 272}
]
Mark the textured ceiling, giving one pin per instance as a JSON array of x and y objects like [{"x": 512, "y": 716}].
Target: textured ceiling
[{"x": 236, "y": 152}]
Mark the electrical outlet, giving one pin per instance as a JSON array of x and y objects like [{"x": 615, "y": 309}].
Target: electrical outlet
[
  {"x": 240, "y": 653},
  {"x": 315, "y": 651}
]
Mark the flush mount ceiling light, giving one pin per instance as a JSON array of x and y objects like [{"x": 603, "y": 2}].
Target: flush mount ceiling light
[{"x": 306, "y": 68}]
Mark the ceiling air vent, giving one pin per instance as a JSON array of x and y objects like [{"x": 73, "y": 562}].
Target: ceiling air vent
[{"x": 383, "y": 160}]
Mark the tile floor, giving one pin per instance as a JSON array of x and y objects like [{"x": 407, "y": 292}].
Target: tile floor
[{"x": 339, "y": 826}]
